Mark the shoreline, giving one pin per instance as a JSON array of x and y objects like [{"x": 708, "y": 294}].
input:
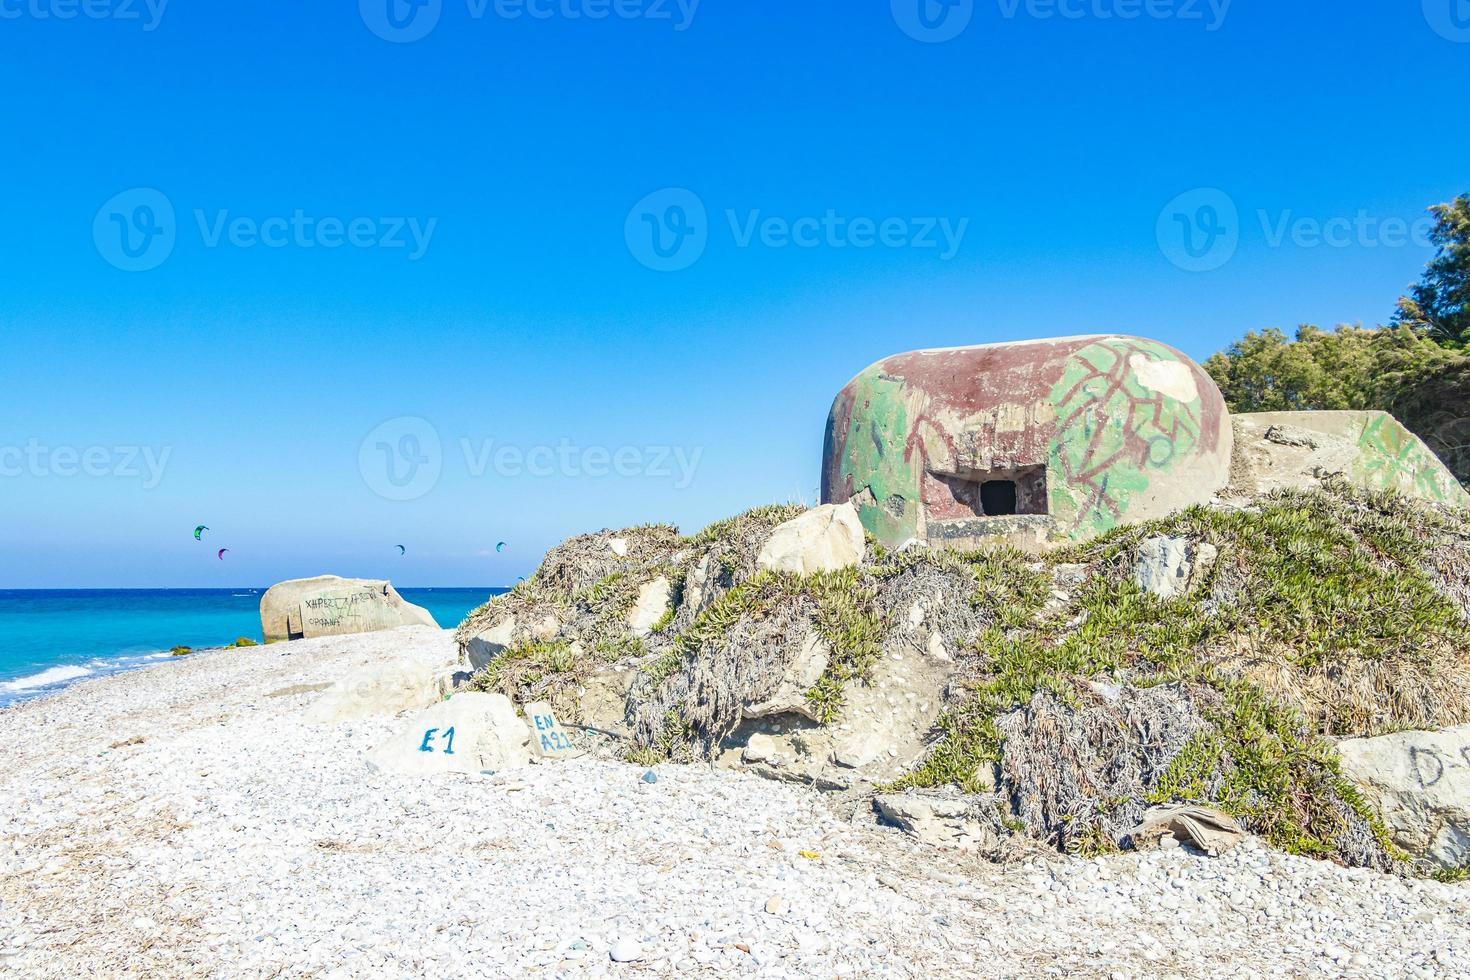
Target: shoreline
[
  {"x": 53, "y": 680},
  {"x": 38, "y": 675},
  {"x": 190, "y": 822}
]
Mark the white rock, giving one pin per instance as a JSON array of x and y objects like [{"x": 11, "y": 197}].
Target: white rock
[
  {"x": 759, "y": 748},
  {"x": 652, "y": 605},
  {"x": 934, "y": 820},
  {"x": 469, "y": 733},
  {"x": 1167, "y": 567},
  {"x": 937, "y": 650},
  {"x": 1420, "y": 784},
  {"x": 381, "y": 690},
  {"x": 800, "y": 676},
  {"x": 546, "y": 629},
  {"x": 825, "y": 539},
  {"x": 549, "y": 740},
  {"x": 329, "y": 605},
  {"x": 626, "y": 950},
  {"x": 618, "y": 546},
  {"x": 489, "y": 644},
  {"x": 859, "y": 750}
]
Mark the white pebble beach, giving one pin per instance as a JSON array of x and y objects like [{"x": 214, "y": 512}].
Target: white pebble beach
[{"x": 183, "y": 820}]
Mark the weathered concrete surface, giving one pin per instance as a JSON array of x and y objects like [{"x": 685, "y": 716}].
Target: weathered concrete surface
[
  {"x": 1077, "y": 434},
  {"x": 1274, "y": 450},
  {"x": 1420, "y": 784},
  {"x": 338, "y": 606}
]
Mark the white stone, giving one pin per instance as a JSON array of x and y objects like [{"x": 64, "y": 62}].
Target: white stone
[
  {"x": 759, "y": 748},
  {"x": 800, "y": 677},
  {"x": 825, "y": 539},
  {"x": 469, "y": 733},
  {"x": 626, "y": 950},
  {"x": 549, "y": 740},
  {"x": 488, "y": 644},
  {"x": 935, "y": 820},
  {"x": 936, "y": 648},
  {"x": 618, "y": 546},
  {"x": 380, "y": 690},
  {"x": 652, "y": 605},
  {"x": 1165, "y": 566},
  {"x": 1420, "y": 784},
  {"x": 859, "y": 750},
  {"x": 546, "y": 629}
]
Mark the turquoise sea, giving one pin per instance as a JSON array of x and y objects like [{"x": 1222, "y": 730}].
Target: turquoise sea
[{"x": 51, "y": 638}]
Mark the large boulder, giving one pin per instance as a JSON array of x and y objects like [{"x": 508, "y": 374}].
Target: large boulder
[
  {"x": 421, "y": 672},
  {"x": 1420, "y": 784},
  {"x": 1275, "y": 450},
  {"x": 824, "y": 539},
  {"x": 469, "y": 733},
  {"x": 329, "y": 605}
]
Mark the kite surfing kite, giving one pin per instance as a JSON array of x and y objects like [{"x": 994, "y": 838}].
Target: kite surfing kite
[
  {"x": 199, "y": 532},
  {"x": 402, "y": 550},
  {"x": 221, "y": 555},
  {"x": 500, "y": 547}
]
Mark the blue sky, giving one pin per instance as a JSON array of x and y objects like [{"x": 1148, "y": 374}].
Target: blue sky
[{"x": 453, "y": 245}]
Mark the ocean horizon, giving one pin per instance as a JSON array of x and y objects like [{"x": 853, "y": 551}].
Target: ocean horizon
[{"x": 51, "y": 638}]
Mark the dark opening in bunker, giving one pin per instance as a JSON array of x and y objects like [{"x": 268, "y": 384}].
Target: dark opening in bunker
[
  {"x": 987, "y": 493},
  {"x": 998, "y": 498}
]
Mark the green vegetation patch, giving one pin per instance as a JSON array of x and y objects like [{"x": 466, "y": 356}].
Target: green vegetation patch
[{"x": 1316, "y": 598}]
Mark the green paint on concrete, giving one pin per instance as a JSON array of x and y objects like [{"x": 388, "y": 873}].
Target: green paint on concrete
[
  {"x": 876, "y": 441},
  {"x": 1390, "y": 457},
  {"x": 1113, "y": 433}
]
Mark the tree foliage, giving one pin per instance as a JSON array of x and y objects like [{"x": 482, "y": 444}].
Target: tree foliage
[
  {"x": 1424, "y": 384},
  {"x": 1439, "y": 304}
]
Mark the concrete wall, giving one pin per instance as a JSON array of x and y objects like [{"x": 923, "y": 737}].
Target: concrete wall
[{"x": 1087, "y": 433}]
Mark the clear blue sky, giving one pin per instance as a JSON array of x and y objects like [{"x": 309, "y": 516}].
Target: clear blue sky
[{"x": 522, "y": 144}]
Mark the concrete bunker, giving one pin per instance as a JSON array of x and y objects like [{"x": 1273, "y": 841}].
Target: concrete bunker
[{"x": 1025, "y": 443}]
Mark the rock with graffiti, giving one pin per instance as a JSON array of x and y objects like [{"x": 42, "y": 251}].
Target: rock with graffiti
[
  {"x": 1028, "y": 443},
  {"x": 1420, "y": 783},
  {"x": 1274, "y": 450}
]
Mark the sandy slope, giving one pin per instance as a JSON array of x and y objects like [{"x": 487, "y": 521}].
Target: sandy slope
[{"x": 235, "y": 840}]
